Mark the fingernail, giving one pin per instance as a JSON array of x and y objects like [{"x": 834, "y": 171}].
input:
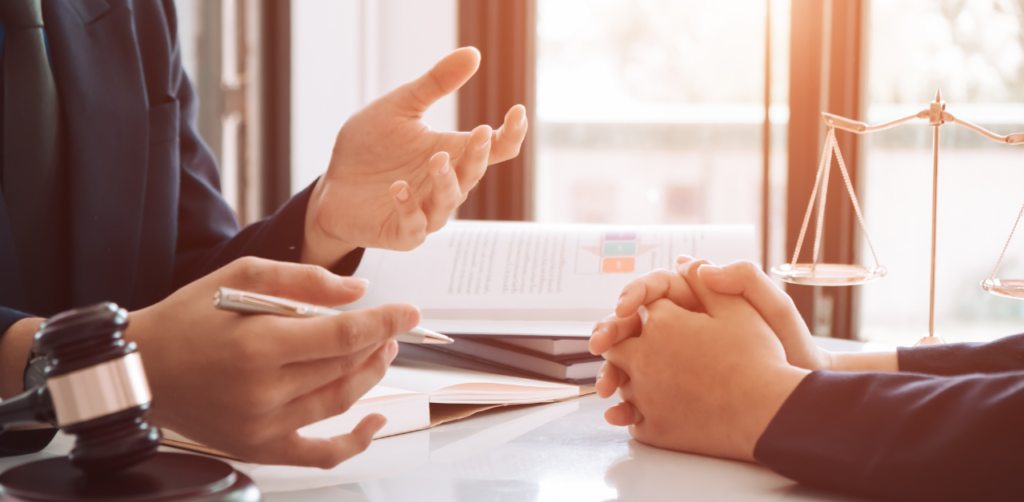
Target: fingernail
[
  {"x": 709, "y": 271},
  {"x": 403, "y": 195},
  {"x": 600, "y": 376},
  {"x": 355, "y": 283},
  {"x": 522, "y": 120},
  {"x": 392, "y": 350},
  {"x": 597, "y": 329},
  {"x": 683, "y": 258},
  {"x": 483, "y": 145},
  {"x": 681, "y": 269},
  {"x": 622, "y": 298},
  {"x": 444, "y": 169},
  {"x": 642, "y": 311}
]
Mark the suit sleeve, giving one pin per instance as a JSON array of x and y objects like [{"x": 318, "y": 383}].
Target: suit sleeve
[
  {"x": 899, "y": 436},
  {"x": 1006, "y": 354},
  {"x": 8, "y": 317},
  {"x": 209, "y": 236}
]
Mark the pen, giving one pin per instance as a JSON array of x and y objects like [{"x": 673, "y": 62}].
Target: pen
[{"x": 243, "y": 302}]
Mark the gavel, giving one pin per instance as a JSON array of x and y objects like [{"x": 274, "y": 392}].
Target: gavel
[{"x": 96, "y": 389}]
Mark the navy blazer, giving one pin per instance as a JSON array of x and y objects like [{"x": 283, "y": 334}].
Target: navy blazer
[
  {"x": 948, "y": 426},
  {"x": 146, "y": 212}
]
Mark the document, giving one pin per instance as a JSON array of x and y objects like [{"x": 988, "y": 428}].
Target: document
[
  {"x": 531, "y": 279},
  {"x": 416, "y": 395}
]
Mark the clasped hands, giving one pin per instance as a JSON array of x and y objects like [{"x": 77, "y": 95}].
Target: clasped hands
[{"x": 703, "y": 357}]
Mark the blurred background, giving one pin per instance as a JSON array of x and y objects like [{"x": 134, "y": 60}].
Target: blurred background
[{"x": 666, "y": 112}]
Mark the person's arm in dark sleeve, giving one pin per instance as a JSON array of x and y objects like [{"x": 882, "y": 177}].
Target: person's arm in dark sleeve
[
  {"x": 1005, "y": 354},
  {"x": 900, "y": 436},
  {"x": 208, "y": 233},
  {"x": 8, "y": 317}
]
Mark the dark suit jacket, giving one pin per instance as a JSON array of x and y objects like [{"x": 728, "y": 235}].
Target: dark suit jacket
[
  {"x": 146, "y": 212},
  {"x": 949, "y": 426}
]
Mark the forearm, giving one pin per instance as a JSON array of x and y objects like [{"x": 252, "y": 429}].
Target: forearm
[
  {"x": 864, "y": 361},
  {"x": 901, "y": 436},
  {"x": 14, "y": 349}
]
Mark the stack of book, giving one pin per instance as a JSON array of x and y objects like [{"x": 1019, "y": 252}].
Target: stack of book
[
  {"x": 561, "y": 359},
  {"x": 524, "y": 297}
]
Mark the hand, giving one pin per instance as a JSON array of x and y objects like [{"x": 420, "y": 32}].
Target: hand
[
  {"x": 15, "y": 346},
  {"x": 702, "y": 383},
  {"x": 245, "y": 384},
  {"x": 392, "y": 180},
  {"x": 741, "y": 278},
  {"x": 777, "y": 309}
]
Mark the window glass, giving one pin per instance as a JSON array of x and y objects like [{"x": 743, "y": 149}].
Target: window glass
[
  {"x": 651, "y": 112},
  {"x": 972, "y": 50}
]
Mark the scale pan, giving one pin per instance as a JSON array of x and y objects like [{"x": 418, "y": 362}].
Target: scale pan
[
  {"x": 827, "y": 274},
  {"x": 1010, "y": 288}
]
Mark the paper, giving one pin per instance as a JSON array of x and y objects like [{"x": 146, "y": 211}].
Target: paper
[
  {"x": 458, "y": 386},
  {"x": 533, "y": 279}
]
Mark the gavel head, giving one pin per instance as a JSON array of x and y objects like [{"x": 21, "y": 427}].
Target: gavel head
[{"x": 98, "y": 387}]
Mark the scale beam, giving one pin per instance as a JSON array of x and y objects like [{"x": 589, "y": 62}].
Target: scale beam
[
  {"x": 832, "y": 274},
  {"x": 858, "y": 127}
]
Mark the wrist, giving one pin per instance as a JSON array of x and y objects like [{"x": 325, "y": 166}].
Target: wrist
[
  {"x": 318, "y": 246},
  {"x": 776, "y": 390},
  {"x": 864, "y": 361},
  {"x": 15, "y": 347}
]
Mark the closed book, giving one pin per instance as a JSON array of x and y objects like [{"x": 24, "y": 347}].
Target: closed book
[
  {"x": 550, "y": 346},
  {"x": 579, "y": 368}
]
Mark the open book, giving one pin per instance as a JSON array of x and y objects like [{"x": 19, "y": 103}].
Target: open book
[
  {"x": 532, "y": 279},
  {"x": 418, "y": 395}
]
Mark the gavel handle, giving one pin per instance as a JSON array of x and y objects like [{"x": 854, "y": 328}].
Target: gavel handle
[{"x": 33, "y": 405}]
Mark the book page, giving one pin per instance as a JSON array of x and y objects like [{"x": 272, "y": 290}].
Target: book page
[
  {"x": 405, "y": 410},
  {"x": 534, "y": 279},
  {"x": 459, "y": 386}
]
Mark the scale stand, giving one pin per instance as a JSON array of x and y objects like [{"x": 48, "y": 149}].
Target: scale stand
[{"x": 829, "y": 274}]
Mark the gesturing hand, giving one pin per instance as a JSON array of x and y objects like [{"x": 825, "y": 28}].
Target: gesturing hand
[
  {"x": 702, "y": 383},
  {"x": 245, "y": 384},
  {"x": 392, "y": 180}
]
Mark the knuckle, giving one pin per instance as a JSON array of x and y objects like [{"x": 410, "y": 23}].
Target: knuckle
[
  {"x": 748, "y": 268},
  {"x": 314, "y": 274},
  {"x": 344, "y": 366},
  {"x": 249, "y": 268},
  {"x": 348, "y": 336}
]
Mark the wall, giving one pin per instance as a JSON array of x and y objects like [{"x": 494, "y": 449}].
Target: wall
[{"x": 346, "y": 53}]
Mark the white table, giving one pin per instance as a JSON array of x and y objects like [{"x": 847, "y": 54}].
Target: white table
[{"x": 553, "y": 452}]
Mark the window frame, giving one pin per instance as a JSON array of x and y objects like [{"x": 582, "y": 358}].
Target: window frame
[{"x": 826, "y": 74}]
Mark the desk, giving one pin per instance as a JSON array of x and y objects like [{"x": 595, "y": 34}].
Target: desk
[{"x": 553, "y": 452}]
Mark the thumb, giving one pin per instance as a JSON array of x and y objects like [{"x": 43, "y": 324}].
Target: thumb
[
  {"x": 294, "y": 281},
  {"x": 450, "y": 73},
  {"x": 774, "y": 305}
]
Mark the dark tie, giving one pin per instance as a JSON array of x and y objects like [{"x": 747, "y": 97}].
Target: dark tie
[{"x": 32, "y": 178}]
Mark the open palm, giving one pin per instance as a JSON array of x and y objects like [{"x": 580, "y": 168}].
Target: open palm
[{"x": 392, "y": 180}]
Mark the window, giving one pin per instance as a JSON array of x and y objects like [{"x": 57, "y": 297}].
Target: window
[
  {"x": 651, "y": 112},
  {"x": 974, "y": 51},
  {"x": 231, "y": 50}
]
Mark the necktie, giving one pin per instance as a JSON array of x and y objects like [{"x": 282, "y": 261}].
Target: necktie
[{"x": 33, "y": 182}]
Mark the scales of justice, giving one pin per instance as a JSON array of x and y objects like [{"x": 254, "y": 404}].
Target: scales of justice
[{"x": 831, "y": 274}]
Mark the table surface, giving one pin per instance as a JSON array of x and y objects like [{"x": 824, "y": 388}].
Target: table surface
[{"x": 551, "y": 452}]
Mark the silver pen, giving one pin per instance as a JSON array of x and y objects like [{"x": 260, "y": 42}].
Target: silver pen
[{"x": 243, "y": 302}]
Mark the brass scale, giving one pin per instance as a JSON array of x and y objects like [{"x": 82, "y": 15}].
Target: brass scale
[{"x": 831, "y": 274}]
